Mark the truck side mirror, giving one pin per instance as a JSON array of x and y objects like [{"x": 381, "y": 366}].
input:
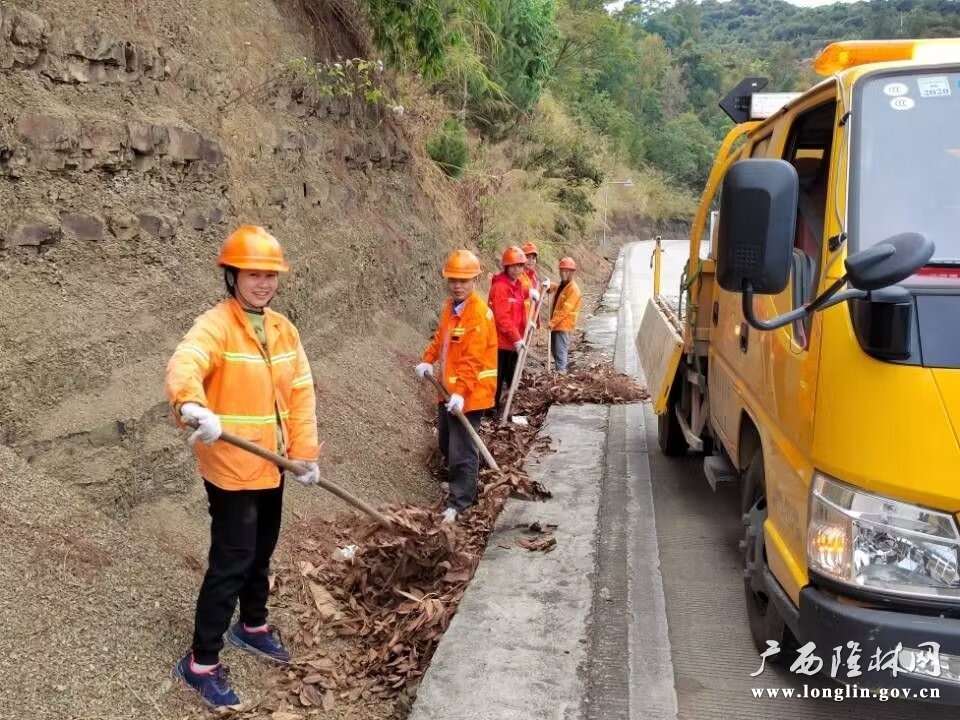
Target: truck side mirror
[
  {"x": 758, "y": 213},
  {"x": 889, "y": 262}
]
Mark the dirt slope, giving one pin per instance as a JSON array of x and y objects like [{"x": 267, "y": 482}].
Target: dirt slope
[{"x": 133, "y": 136}]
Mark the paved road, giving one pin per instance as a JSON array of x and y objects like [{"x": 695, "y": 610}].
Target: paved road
[{"x": 697, "y": 532}]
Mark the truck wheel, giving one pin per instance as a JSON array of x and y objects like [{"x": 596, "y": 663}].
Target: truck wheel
[
  {"x": 762, "y": 615},
  {"x": 669, "y": 435}
]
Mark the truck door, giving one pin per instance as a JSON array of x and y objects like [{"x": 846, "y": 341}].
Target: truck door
[
  {"x": 732, "y": 363},
  {"x": 791, "y": 359}
]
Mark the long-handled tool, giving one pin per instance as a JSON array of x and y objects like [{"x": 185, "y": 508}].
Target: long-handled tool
[
  {"x": 477, "y": 440},
  {"x": 298, "y": 468},
  {"x": 549, "y": 348},
  {"x": 532, "y": 319}
]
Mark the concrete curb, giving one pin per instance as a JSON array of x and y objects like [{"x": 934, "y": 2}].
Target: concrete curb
[{"x": 512, "y": 650}]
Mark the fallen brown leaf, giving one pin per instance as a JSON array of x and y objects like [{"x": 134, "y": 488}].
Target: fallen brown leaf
[
  {"x": 310, "y": 696},
  {"x": 281, "y": 715},
  {"x": 329, "y": 701},
  {"x": 326, "y": 605},
  {"x": 545, "y": 543},
  {"x": 324, "y": 665}
]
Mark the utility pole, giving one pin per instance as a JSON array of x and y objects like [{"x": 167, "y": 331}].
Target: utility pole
[{"x": 626, "y": 183}]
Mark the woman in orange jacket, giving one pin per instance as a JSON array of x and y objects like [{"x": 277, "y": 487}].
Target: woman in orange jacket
[
  {"x": 563, "y": 315},
  {"x": 531, "y": 277},
  {"x": 465, "y": 344},
  {"x": 242, "y": 367}
]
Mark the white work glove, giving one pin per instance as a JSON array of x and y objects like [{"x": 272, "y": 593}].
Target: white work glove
[
  {"x": 311, "y": 476},
  {"x": 534, "y": 295},
  {"x": 545, "y": 285},
  {"x": 455, "y": 403},
  {"x": 519, "y": 345},
  {"x": 424, "y": 369},
  {"x": 208, "y": 424}
]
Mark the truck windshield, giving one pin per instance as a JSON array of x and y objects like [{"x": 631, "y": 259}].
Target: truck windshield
[{"x": 907, "y": 163}]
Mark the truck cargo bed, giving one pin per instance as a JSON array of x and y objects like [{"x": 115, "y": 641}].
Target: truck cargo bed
[{"x": 659, "y": 345}]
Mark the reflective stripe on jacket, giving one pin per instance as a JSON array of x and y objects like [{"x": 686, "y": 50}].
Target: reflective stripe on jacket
[
  {"x": 221, "y": 365},
  {"x": 466, "y": 345},
  {"x": 506, "y": 300},
  {"x": 566, "y": 308}
]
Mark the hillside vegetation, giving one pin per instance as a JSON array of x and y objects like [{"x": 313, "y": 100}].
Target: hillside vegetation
[
  {"x": 635, "y": 92},
  {"x": 693, "y": 52}
]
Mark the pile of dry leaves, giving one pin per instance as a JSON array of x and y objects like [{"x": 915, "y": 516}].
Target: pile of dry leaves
[{"x": 390, "y": 593}]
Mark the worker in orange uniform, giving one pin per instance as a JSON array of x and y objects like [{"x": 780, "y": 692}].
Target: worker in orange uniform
[
  {"x": 465, "y": 344},
  {"x": 563, "y": 314},
  {"x": 242, "y": 367},
  {"x": 506, "y": 299}
]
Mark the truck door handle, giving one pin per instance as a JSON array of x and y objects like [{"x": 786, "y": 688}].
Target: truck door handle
[
  {"x": 716, "y": 313},
  {"x": 744, "y": 336}
]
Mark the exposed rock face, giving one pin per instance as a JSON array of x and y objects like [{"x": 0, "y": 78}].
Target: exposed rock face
[
  {"x": 128, "y": 149},
  {"x": 69, "y": 143}
]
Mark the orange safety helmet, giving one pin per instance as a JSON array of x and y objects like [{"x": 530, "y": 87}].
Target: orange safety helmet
[
  {"x": 530, "y": 249},
  {"x": 513, "y": 256},
  {"x": 250, "y": 247},
  {"x": 567, "y": 263},
  {"x": 462, "y": 265}
]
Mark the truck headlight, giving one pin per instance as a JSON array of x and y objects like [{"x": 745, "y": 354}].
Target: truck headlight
[{"x": 869, "y": 541}]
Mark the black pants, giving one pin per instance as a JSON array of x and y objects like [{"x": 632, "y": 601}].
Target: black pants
[
  {"x": 244, "y": 528},
  {"x": 506, "y": 367},
  {"x": 461, "y": 456}
]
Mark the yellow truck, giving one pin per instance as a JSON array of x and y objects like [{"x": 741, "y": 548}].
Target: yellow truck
[{"x": 813, "y": 356}]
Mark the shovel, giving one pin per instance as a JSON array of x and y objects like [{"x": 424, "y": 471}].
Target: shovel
[
  {"x": 298, "y": 468},
  {"x": 487, "y": 457}
]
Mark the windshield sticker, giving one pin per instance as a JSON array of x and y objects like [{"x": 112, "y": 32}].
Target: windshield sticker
[
  {"x": 895, "y": 89},
  {"x": 937, "y": 86},
  {"x": 902, "y": 103}
]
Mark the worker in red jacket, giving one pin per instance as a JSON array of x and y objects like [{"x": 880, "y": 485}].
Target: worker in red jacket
[{"x": 506, "y": 299}]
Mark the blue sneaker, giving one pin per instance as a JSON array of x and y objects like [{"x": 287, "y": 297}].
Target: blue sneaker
[
  {"x": 213, "y": 687},
  {"x": 262, "y": 643}
]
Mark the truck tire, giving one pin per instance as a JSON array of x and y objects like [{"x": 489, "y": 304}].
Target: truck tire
[
  {"x": 763, "y": 617},
  {"x": 669, "y": 435}
]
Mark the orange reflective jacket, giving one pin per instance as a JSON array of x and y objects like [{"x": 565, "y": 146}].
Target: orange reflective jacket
[
  {"x": 466, "y": 346},
  {"x": 527, "y": 282},
  {"x": 532, "y": 281},
  {"x": 221, "y": 365},
  {"x": 566, "y": 308}
]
